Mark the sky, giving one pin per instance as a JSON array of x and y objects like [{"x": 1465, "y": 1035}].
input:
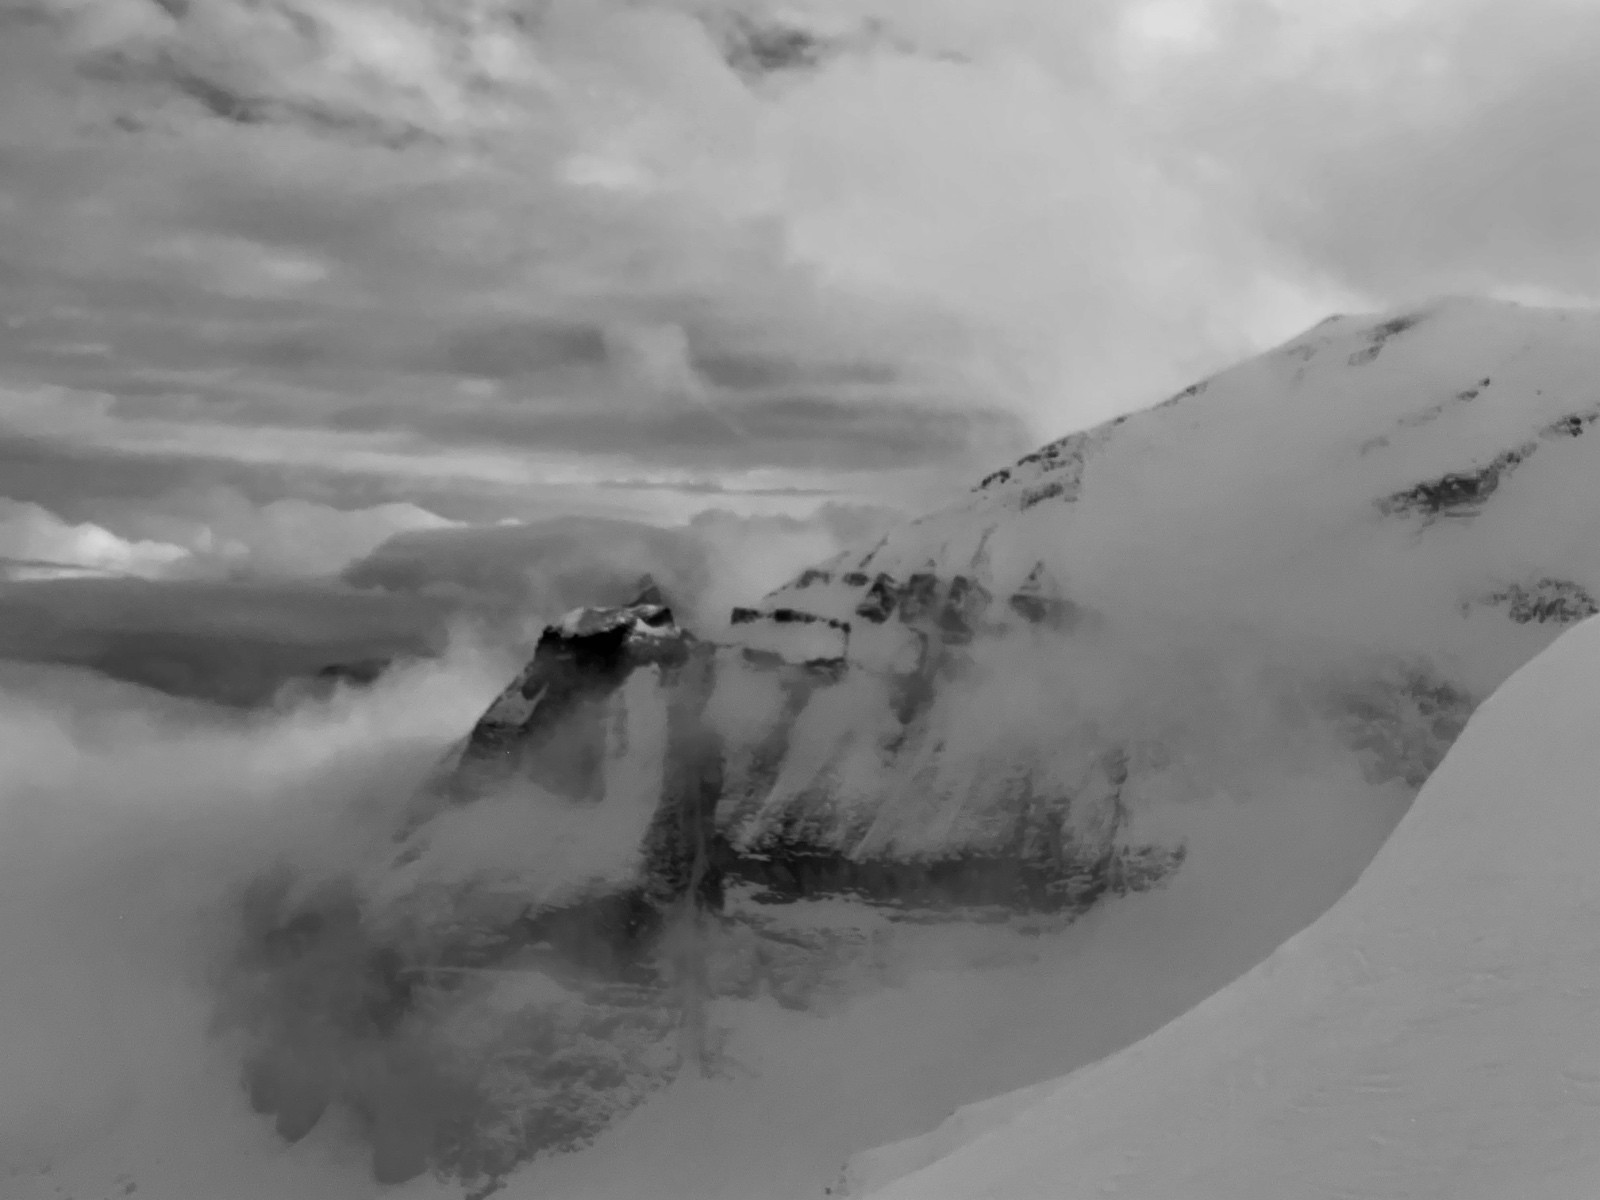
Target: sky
[{"x": 280, "y": 279}]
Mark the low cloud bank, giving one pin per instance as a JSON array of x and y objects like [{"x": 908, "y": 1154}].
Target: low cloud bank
[
  {"x": 128, "y": 824},
  {"x": 131, "y": 826},
  {"x": 232, "y": 642},
  {"x": 36, "y": 543},
  {"x": 200, "y": 533},
  {"x": 531, "y": 573}
]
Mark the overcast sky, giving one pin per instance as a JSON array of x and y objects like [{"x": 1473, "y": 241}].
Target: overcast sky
[{"x": 278, "y": 277}]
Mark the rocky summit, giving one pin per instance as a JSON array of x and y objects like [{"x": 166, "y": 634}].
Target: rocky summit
[{"x": 1316, "y": 561}]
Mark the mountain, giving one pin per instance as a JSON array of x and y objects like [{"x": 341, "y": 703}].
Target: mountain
[
  {"x": 1155, "y": 693},
  {"x": 1430, "y": 1035}
]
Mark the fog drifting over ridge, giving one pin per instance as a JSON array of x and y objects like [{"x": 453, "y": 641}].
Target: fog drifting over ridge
[
  {"x": 132, "y": 824},
  {"x": 235, "y": 621},
  {"x": 122, "y": 845}
]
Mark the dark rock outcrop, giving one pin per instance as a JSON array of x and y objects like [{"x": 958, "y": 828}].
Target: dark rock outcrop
[
  {"x": 1572, "y": 425},
  {"x": 1459, "y": 493},
  {"x": 545, "y": 726},
  {"x": 1399, "y": 724},
  {"x": 1544, "y": 601},
  {"x": 881, "y": 600},
  {"x": 1188, "y": 393},
  {"x": 1061, "y": 881},
  {"x": 1380, "y": 336},
  {"x": 1039, "y": 601}
]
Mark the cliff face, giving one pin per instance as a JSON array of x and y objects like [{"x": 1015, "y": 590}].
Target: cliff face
[{"x": 1327, "y": 553}]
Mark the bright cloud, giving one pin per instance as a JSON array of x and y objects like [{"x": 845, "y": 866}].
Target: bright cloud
[
  {"x": 41, "y": 545},
  {"x": 225, "y": 531}
]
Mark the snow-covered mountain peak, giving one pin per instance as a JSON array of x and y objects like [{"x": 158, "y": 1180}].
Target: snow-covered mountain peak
[
  {"x": 1349, "y": 442},
  {"x": 1190, "y": 664}
]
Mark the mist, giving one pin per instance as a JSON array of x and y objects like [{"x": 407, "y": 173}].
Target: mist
[
  {"x": 529, "y": 573},
  {"x": 138, "y": 827},
  {"x": 383, "y": 333},
  {"x": 132, "y": 821}
]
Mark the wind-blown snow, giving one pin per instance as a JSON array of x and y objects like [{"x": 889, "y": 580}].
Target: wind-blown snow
[{"x": 1433, "y": 1034}]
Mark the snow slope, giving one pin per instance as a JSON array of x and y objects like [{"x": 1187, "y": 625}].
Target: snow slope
[
  {"x": 1433, "y": 1034},
  {"x": 1415, "y": 486}
]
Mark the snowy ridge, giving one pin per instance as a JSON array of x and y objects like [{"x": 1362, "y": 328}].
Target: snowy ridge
[
  {"x": 1431, "y": 1034},
  {"x": 1378, "y": 489},
  {"x": 1369, "y": 416}
]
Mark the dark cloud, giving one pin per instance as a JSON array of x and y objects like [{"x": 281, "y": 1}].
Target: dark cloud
[
  {"x": 820, "y": 432},
  {"x": 217, "y": 227},
  {"x": 492, "y": 255},
  {"x": 228, "y": 643},
  {"x": 705, "y": 487},
  {"x": 514, "y": 349}
]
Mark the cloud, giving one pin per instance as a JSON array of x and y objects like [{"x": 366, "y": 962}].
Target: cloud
[
  {"x": 483, "y": 454},
  {"x": 531, "y": 573},
  {"x": 209, "y": 593},
  {"x": 589, "y": 240},
  {"x": 231, "y": 642},
  {"x": 39, "y": 543},
  {"x": 1426, "y": 146},
  {"x": 206, "y": 593},
  {"x": 131, "y": 824},
  {"x": 203, "y": 532},
  {"x": 224, "y": 532}
]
